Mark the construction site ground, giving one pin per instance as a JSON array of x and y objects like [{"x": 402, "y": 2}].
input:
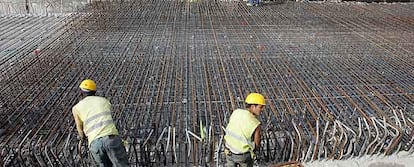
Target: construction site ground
[{"x": 338, "y": 79}]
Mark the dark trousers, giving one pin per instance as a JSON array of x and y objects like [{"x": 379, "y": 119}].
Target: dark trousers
[
  {"x": 243, "y": 160},
  {"x": 109, "y": 151}
]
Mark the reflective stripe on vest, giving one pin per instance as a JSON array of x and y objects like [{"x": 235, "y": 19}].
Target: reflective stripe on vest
[
  {"x": 86, "y": 122},
  {"x": 91, "y": 123},
  {"x": 97, "y": 126},
  {"x": 239, "y": 138}
]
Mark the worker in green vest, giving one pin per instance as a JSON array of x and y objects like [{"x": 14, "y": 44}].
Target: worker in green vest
[
  {"x": 243, "y": 132},
  {"x": 94, "y": 121}
]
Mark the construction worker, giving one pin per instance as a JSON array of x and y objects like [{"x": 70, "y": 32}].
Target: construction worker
[
  {"x": 93, "y": 120},
  {"x": 242, "y": 137}
]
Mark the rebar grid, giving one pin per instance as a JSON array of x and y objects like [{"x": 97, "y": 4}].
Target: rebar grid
[{"x": 338, "y": 79}]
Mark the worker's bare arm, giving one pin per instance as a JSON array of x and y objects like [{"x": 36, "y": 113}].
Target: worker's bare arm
[
  {"x": 257, "y": 132},
  {"x": 79, "y": 124}
]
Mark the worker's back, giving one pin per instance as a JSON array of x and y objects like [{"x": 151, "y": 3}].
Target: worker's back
[
  {"x": 239, "y": 131},
  {"x": 95, "y": 113}
]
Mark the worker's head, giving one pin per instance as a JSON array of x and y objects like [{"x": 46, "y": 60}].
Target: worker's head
[
  {"x": 88, "y": 87},
  {"x": 255, "y": 102}
]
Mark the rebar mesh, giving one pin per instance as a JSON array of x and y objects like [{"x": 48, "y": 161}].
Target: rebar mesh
[{"x": 338, "y": 79}]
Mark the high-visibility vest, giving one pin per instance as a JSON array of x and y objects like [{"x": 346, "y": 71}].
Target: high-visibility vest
[
  {"x": 95, "y": 114},
  {"x": 239, "y": 132}
]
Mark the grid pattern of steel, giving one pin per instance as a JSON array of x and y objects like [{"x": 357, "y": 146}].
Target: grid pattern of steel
[{"x": 338, "y": 79}]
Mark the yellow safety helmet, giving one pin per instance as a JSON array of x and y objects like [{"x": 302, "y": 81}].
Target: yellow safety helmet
[
  {"x": 255, "y": 98},
  {"x": 88, "y": 85}
]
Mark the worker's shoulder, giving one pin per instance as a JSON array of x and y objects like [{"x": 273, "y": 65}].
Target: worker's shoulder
[
  {"x": 91, "y": 99},
  {"x": 239, "y": 113},
  {"x": 95, "y": 98},
  {"x": 240, "y": 110},
  {"x": 100, "y": 99}
]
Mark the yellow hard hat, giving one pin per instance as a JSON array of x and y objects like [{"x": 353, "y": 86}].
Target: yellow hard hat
[
  {"x": 255, "y": 98},
  {"x": 88, "y": 85}
]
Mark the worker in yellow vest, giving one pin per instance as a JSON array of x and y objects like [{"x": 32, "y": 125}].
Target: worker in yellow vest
[
  {"x": 93, "y": 120},
  {"x": 243, "y": 132}
]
